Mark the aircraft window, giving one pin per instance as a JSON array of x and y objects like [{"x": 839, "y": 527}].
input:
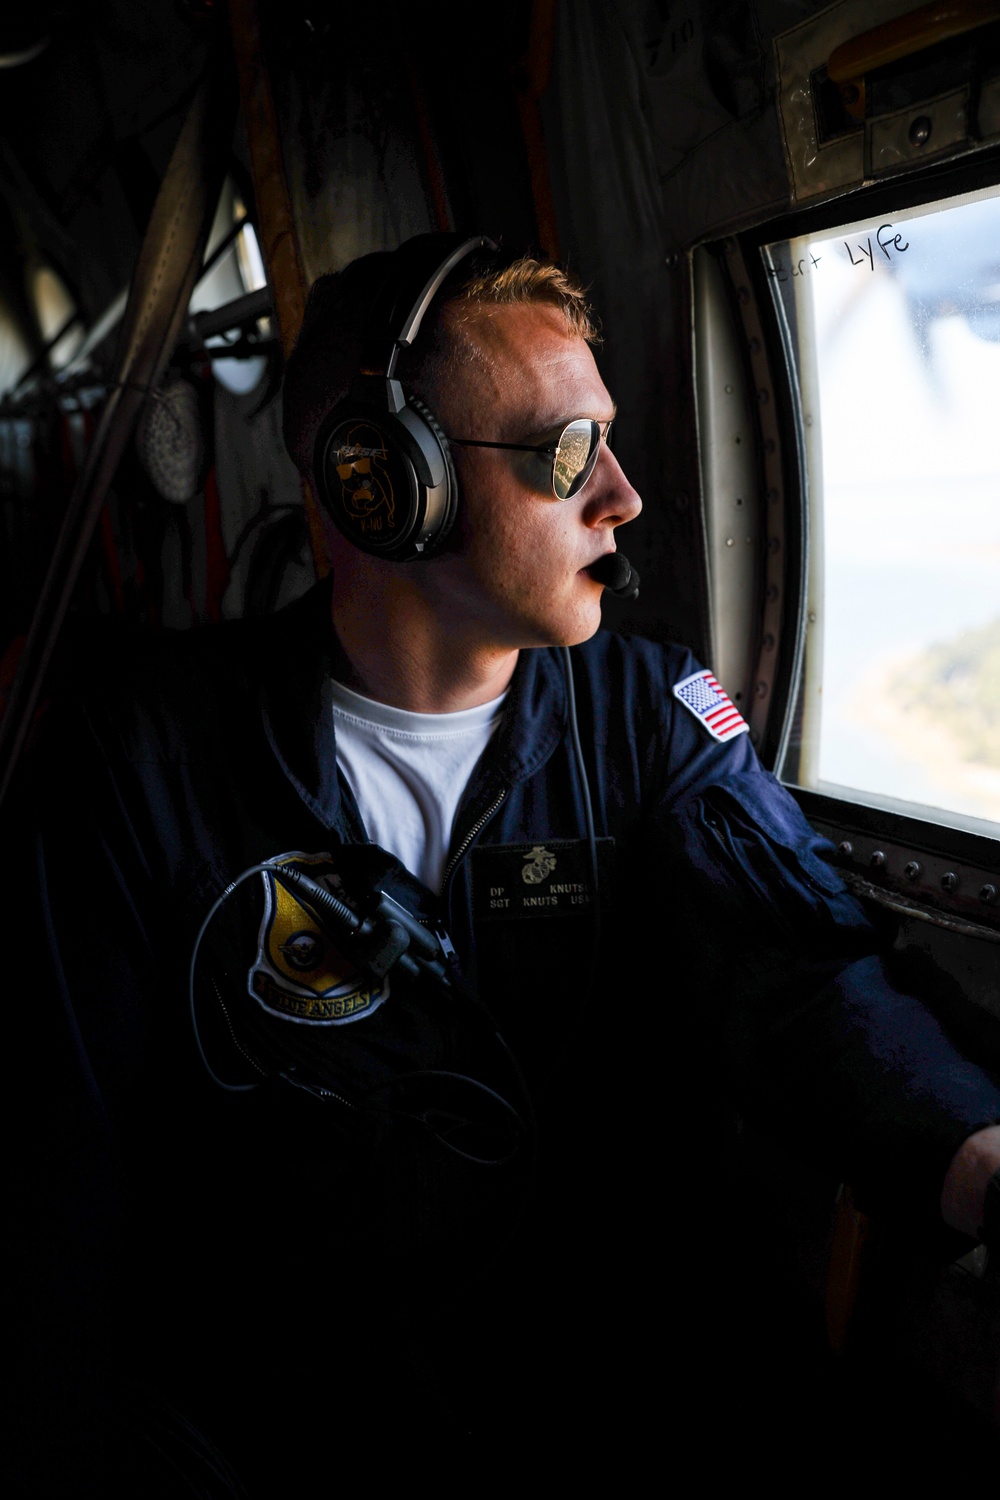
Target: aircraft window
[
  {"x": 15, "y": 355},
  {"x": 892, "y": 332},
  {"x": 240, "y": 269},
  {"x": 248, "y": 256},
  {"x": 56, "y": 312}
]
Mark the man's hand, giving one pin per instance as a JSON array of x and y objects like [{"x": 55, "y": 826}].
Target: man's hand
[{"x": 963, "y": 1195}]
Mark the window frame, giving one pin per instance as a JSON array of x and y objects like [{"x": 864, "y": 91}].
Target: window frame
[{"x": 876, "y": 841}]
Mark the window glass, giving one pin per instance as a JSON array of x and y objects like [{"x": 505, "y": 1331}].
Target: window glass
[
  {"x": 892, "y": 332},
  {"x": 251, "y": 262},
  {"x": 240, "y": 269},
  {"x": 15, "y": 355},
  {"x": 56, "y": 309}
]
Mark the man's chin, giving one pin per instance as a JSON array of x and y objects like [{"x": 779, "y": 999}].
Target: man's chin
[
  {"x": 574, "y": 632},
  {"x": 585, "y": 633}
]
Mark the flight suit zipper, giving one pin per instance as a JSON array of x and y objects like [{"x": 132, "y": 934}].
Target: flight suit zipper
[{"x": 470, "y": 836}]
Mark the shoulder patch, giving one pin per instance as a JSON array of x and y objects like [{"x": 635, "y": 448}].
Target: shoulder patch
[{"x": 702, "y": 696}]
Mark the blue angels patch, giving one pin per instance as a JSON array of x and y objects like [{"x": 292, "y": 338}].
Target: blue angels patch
[{"x": 299, "y": 973}]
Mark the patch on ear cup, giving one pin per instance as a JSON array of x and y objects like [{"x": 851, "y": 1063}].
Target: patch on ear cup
[
  {"x": 444, "y": 525},
  {"x": 381, "y": 462},
  {"x": 367, "y": 479},
  {"x": 387, "y": 478}
]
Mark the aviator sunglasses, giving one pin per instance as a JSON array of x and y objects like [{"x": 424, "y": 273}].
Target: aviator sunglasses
[{"x": 573, "y": 455}]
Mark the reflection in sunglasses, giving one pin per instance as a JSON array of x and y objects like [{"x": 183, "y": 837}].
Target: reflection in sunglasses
[
  {"x": 576, "y": 445},
  {"x": 574, "y": 456}
]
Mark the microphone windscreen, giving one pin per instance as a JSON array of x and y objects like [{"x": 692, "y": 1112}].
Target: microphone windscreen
[{"x": 617, "y": 574}]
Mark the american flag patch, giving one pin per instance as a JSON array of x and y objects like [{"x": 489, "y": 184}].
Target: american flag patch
[{"x": 709, "y": 703}]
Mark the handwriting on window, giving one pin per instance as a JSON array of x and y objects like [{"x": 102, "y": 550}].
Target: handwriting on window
[
  {"x": 779, "y": 271},
  {"x": 861, "y": 252}
]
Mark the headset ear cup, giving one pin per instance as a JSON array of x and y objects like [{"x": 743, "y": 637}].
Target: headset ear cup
[
  {"x": 438, "y": 542},
  {"x": 366, "y": 478},
  {"x": 383, "y": 466}
]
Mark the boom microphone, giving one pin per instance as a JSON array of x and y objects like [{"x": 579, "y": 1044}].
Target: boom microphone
[{"x": 617, "y": 574}]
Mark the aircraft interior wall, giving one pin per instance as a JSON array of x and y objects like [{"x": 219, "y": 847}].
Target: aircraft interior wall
[{"x": 657, "y": 149}]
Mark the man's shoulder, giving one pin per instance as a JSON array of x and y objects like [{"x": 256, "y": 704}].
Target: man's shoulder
[
  {"x": 634, "y": 671},
  {"x": 659, "y": 705},
  {"x": 664, "y": 660}
]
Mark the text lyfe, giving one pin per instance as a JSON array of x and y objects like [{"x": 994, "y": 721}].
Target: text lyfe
[{"x": 865, "y": 251}]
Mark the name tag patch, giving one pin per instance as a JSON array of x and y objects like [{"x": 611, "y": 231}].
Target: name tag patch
[{"x": 551, "y": 879}]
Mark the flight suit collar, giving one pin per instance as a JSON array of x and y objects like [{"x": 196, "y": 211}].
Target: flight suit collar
[
  {"x": 298, "y": 667},
  {"x": 534, "y": 720}
]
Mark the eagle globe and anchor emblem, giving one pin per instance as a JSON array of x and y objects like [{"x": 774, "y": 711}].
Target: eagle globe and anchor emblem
[{"x": 538, "y": 866}]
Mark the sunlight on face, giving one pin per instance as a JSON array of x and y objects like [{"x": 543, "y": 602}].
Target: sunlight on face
[{"x": 521, "y": 572}]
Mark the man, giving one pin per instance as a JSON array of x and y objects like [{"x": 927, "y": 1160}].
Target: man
[{"x": 447, "y": 1127}]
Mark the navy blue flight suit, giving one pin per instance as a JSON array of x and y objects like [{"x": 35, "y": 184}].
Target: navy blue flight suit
[{"x": 299, "y": 1273}]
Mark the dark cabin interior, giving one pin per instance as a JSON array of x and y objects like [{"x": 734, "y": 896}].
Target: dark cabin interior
[{"x": 649, "y": 146}]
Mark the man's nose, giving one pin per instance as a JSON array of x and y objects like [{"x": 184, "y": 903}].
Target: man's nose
[{"x": 610, "y": 499}]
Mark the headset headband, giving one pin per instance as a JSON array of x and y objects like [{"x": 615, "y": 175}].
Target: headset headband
[{"x": 418, "y": 271}]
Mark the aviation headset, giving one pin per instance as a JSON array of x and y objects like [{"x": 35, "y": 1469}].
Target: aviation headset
[{"x": 382, "y": 463}]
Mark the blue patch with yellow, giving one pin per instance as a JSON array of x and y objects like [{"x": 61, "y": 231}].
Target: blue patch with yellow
[{"x": 299, "y": 973}]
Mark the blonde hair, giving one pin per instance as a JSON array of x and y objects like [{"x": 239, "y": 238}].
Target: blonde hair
[
  {"x": 328, "y": 352},
  {"x": 527, "y": 280}
]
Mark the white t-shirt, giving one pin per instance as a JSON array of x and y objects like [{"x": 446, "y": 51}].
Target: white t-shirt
[{"x": 408, "y": 772}]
